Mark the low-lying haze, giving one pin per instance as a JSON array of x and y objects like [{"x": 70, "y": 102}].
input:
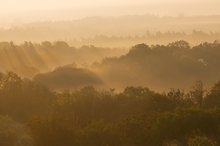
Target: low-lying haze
[{"x": 14, "y": 13}]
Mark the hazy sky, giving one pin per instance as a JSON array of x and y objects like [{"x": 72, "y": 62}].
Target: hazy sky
[
  {"x": 15, "y": 11},
  {"x": 20, "y": 5}
]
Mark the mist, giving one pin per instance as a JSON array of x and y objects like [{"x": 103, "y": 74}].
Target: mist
[
  {"x": 13, "y": 13},
  {"x": 110, "y": 73}
]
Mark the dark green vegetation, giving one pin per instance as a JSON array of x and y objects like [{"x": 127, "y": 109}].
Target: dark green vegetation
[{"x": 32, "y": 115}]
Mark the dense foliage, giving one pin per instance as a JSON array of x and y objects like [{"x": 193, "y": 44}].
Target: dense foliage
[
  {"x": 137, "y": 116},
  {"x": 163, "y": 66}
]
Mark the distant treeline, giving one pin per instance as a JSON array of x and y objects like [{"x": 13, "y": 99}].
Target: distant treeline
[
  {"x": 59, "y": 66},
  {"x": 194, "y": 38},
  {"x": 119, "y": 31},
  {"x": 28, "y": 59},
  {"x": 32, "y": 115}
]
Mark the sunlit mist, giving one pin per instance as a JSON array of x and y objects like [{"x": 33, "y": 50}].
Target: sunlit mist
[{"x": 13, "y": 12}]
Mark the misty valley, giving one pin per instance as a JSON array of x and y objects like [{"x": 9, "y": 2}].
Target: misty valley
[
  {"x": 52, "y": 94},
  {"x": 110, "y": 73},
  {"x": 61, "y": 67}
]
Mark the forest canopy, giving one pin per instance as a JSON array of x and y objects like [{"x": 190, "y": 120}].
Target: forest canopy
[
  {"x": 134, "y": 99},
  {"x": 110, "y": 73},
  {"x": 160, "y": 67},
  {"x": 32, "y": 115}
]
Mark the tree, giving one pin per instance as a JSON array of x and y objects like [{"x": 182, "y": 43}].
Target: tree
[
  {"x": 197, "y": 93},
  {"x": 201, "y": 141},
  {"x": 10, "y": 81},
  {"x": 179, "y": 44},
  {"x": 213, "y": 97},
  {"x": 13, "y": 133}
]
